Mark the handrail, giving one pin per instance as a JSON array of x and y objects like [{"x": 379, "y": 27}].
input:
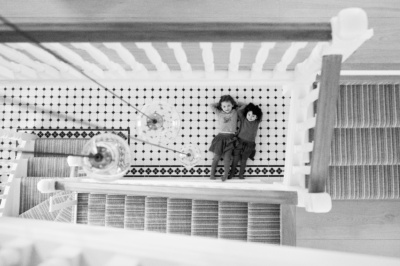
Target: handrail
[
  {"x": 96, "y": 245},
  {"x": 323, "y": 132},
  {"x": 167, "y": 31},
  {"x": 257, "y": 193}
]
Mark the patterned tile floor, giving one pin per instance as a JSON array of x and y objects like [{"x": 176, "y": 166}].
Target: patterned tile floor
[{"x": 76, "y": 111}]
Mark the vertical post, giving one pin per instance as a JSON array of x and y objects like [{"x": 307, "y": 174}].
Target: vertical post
[{"x": 326, "y": 109}]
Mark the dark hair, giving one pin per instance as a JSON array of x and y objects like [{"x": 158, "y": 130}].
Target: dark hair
[
  {"x": 226, "y": 98},
  {"x": 255, "y": 110}
]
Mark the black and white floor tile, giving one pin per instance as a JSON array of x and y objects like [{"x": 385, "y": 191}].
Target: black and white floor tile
[{"x": 76, "y": 111}]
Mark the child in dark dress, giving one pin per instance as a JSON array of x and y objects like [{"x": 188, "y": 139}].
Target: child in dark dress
[
  {"x": 223, "y": 144},
  {"x": 250, "y": 117}
]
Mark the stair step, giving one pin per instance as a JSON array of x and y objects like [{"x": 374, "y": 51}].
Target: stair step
[
  {"x": 232, "y": 220},
  {"x": 82, "y": 208},
  {"x": 179, "y": 216},
  {"x": 115, "y": 211},
  {"x": 30, "y": 196},
  {"x": 134, "y": 212},
  {"x": 205, "y": 218},
  {"x": 48, "y": 167},
  {"x": 97, "y": 209},
  {"x": 365, "y": 146},
  {"x": 264, "y": 225},
  {"x": 364, "y": 182},
  {"x": 368, "y": 105},
  {"x": 67, "y": 146},
  {"x": 155, "y": 214}
]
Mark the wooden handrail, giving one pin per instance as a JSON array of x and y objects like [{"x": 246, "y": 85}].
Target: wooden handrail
[
  {"x": 270, "y": 195},
  {"x": 167, "y": 32},
  {"x": 323, "y": 132}
]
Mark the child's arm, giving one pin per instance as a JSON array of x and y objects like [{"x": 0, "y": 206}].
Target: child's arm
[
  {"x": 214, "y": 108},
  {"x": 240, "y": 111}
]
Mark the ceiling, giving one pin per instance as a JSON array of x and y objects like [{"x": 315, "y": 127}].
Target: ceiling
[{"x": 382, "y": 52}]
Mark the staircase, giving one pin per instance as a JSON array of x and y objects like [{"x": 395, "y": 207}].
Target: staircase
[
  {"x": 365, "y": 151},
  {"x": 365, "y": 164},
  {"x": 252, "y": 222}
]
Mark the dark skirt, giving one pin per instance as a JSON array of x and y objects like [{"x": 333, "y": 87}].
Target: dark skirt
[
  {"x": 222, "y": 143},
  {"x": 246, "y": 149}
]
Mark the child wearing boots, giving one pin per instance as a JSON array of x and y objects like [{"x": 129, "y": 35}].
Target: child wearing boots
[{"x": 250, "y": 117}]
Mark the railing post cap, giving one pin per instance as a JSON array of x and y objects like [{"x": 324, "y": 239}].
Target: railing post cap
[
  {"x": 349, "y": 24},
  {"x": 46, "y": 186},
  {"x": 318, "y": 202},
  {"x": 74, "y": 161}
]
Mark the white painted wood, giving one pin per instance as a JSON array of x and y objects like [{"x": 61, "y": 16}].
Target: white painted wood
[
  {"x": 154, "y": 57},
  {"x": 101, "y": 58},
  {"x": 55, "y": 207},
  {"x": 309, "y": 123},
  {"x": 262, "y": 56},
  {"x": 126, "y": 56},
  {"x": 89, "y": 68},
  {"x": 23, "y": 59},
  {"x": 208, "y": 57},
  {"x": 123, "y": 261},
  {"x": 234, "y": 56},
  {"x": 24, "y": 71},
  {"x": 180, "y": 56},
  {"x": 288, "y": 56},
  {"x": 6, "y": 73},
  {"x": 17, "y": 251},
  {"x": 47, "y": 58},
  {"x": 100, "y": 244}
]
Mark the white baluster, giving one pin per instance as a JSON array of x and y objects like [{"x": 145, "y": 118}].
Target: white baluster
[
  {"x": 309, "y": 123},
  {"x": 180, "y": 56},
  {"x": 21, "y": 58},
  {"x": 126, "y": 56},
  {"x": 262, "y": 56},
  {"x": 234, "y": 57},
  {"x": 89, "y": 68},
  {"x": 6, "y": 73},
  {"x": 18, "y": 68},
  {"x": 46, "y": 57},
  {"x": 288, "y": 57},
  {"x": 208, "y": 57},
  {"x": 154, "y": 57},
  {"x": 101, "y": 58}
]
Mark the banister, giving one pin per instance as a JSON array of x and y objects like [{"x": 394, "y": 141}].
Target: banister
[
  {"x": 136, "y": 31},
  {"x": 257, "y": 193},
  {"x": 326, "y": 110}
]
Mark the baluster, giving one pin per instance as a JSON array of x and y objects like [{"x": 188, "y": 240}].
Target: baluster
[
  {"x": 180, "y": 56},
  {"x": 6, "y": 73},
  {"x": 89, "y": 68},
  {"x": 101, "y": 58},
  {"x": 46, "y": 58},
  {"x": 208, "y": 57},
  {"x": 288, "y": 57},
  {"x": 234, "y": 57},
  {"x": 126, "y": 56},
  {"x": 154, "y": 57},
  {"x": 21, "y": 58},
  {"x": 262, "y": 56},
  {"x": 18, "y": 68}
]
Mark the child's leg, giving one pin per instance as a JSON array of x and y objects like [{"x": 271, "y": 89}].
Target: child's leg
[
  {"x": 214, "y": 165},
  {"x": 235, "y": 161},
  {"x": 227, "y": 164},
  {"x": 243, "y": 162}
]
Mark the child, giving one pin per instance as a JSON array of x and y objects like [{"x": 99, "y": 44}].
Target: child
[
  {"x": 223, "y": 144},
  {"x": 250, "y": 117}
]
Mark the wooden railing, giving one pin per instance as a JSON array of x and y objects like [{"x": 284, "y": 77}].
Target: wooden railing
[
  {"x": 34, "y": 242},
  {"x": 257, "y": 192}
]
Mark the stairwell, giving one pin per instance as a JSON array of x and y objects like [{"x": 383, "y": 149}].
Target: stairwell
[{"x": 365, "y": 164}]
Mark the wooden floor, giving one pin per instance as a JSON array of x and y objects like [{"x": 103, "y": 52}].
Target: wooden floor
[{"x": 366, "y": 227}]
